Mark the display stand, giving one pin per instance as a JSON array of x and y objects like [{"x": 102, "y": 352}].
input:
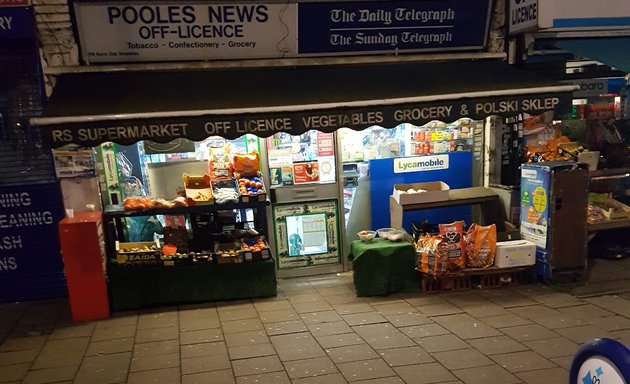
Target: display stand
[
  {"x": 615, "y": 173},
  {"x": 488, "y": 201},
  {"x": 136, "y": 286},
  {"x": 382, "y": 267}
]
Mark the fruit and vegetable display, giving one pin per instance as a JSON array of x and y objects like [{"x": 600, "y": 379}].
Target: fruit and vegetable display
[
  {"x": 140, "y": 203},
  {"x": 251, "y": 186},
  {"x": 244, "y": 250},
  {"x": 225, "y": 191},
  {"x": 226, "y": 182}
]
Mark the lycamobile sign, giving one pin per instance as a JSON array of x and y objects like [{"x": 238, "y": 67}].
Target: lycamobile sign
[{"x": 420, "y": 163}]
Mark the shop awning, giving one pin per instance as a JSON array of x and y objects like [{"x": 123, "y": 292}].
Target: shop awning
[
  {"x": 124, "y": 107},
  {"x": 613, "y": 51}
]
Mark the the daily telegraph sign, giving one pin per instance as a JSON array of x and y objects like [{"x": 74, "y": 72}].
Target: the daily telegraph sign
[
  {"x": 197, "y": 128},
  {"x": 163, "y": 31}
]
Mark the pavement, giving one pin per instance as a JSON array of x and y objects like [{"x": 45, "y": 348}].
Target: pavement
[{"x": 316, "y": 331}]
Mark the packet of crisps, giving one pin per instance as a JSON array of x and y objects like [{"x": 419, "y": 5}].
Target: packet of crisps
[
  {"x": 455, "y": 245},
  {"x": 481, "y": 245}
]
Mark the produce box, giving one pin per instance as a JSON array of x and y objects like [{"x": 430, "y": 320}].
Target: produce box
[
  {"x": 203, "y": 257},
  {"x": 251, "y": 188},
  {"x": 138, "y": 253},
  {"x": 435, "y": 191},
  {"x": 198, "y": 189},
  {"x": 255, "y": 249},
  {"x": 515, "y": 253},
  {"x": 225, "y": 191},
  {"x": 613, "y": 209},
  {"x": 176, "y": 259},
  {"x": 228, "y": 253}
]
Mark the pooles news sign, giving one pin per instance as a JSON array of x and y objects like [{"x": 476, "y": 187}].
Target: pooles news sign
[
  {"x": 165, "y": 31},
  {"x": 132, "y": 31}
]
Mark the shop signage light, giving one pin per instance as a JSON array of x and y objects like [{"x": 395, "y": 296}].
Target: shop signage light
[{"x": 165, "y": 31}]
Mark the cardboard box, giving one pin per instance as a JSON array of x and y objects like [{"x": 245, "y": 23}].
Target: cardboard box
[
  {"x": 613, "y": 209},
  {"x": 516, "y": 253},
  {"x": 435, "y": 191},
  {"x": 138, "y": 253},
  {"x": 198, "y": 190}
]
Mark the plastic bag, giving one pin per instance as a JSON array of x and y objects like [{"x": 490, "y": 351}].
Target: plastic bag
[
  {"x": 481, "y": 245},
  {"x": 433, "y": 255},
  {"x": 247, "y": 164},
  {"x": 219, "y": 166},
  {"x": 455, "y": 245}
]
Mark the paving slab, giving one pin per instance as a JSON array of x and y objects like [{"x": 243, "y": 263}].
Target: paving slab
[
  {"x": 462, "y": 358},
  {"x": 550, "y": 375},
  {"x": 424, "y": 373},
  {"x": 257, "y": 365},
  {"x": 522, "y": 361},
  {"x": 318, "y": 366},
  {"x": 224, "y": 376},
  {"x": 441, "y": 343},
  {"x": 351, "y": 353},
  {"x": 466, "y": 326},
  {"x": 405, "y": 356},
  {"x": 553, "y": 347},
  {"x": 491, "y": 374},
  {"x": 497, "y": 344},
  {"x": 365, "y": 369}
]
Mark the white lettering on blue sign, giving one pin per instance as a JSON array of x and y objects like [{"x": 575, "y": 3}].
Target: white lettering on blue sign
[
  {"x": 6, "y": 23},
  {"x": 8, "y": 264},
  {"x": 9, "y": 200},
  {"x": 8, "y": 243}
]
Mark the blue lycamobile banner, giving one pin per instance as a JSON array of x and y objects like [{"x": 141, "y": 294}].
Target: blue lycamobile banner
[{"x": 374, "y": 26}]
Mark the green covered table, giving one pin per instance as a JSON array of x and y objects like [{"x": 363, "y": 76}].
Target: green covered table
[{"x": 382, "y": 267}]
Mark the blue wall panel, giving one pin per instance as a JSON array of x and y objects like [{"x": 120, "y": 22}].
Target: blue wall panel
[{"x": 383, "y": 178}]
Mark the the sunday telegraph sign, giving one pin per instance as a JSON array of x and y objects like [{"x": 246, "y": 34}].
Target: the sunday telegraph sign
[
  {"x": 196, "y": 128},
  {"x": 163, "y": 31}
]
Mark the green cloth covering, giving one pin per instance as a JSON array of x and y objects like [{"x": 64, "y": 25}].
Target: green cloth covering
[
  {"x": 382, "y": 267},
  {"x": 144, "y": 286}
]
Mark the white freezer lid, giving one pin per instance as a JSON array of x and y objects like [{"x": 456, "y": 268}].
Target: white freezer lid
[{"x": 514, "y": 243}]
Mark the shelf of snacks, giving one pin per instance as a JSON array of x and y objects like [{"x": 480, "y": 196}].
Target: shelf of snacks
[{"x": 454, "y": 259}]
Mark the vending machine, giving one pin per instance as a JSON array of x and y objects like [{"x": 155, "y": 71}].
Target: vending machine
[{"x": 305, "y": 203}]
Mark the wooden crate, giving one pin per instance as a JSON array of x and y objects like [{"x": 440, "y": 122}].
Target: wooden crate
[{"x": 476, "y": 278}]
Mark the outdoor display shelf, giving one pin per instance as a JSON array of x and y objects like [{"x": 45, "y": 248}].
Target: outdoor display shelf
[{"x": 145, "y": 285}]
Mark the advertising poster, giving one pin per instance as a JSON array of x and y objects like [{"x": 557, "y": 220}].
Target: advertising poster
[
  {"x": 304, "y": 173},
  {"x": 325, "y": 144},
  {"x": 306, "y": 234},
  {"x": 69, "y": 164},
  {"x": 327, "y": 169},
  {"x": 535, "y": 204}
]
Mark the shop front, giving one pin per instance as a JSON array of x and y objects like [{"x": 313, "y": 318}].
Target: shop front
[
  {"x": 286, "y": 209},
  {"x": 585, "y": 45}
]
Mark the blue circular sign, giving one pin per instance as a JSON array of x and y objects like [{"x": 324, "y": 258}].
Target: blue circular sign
[{"x": 601, "y": 361}]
